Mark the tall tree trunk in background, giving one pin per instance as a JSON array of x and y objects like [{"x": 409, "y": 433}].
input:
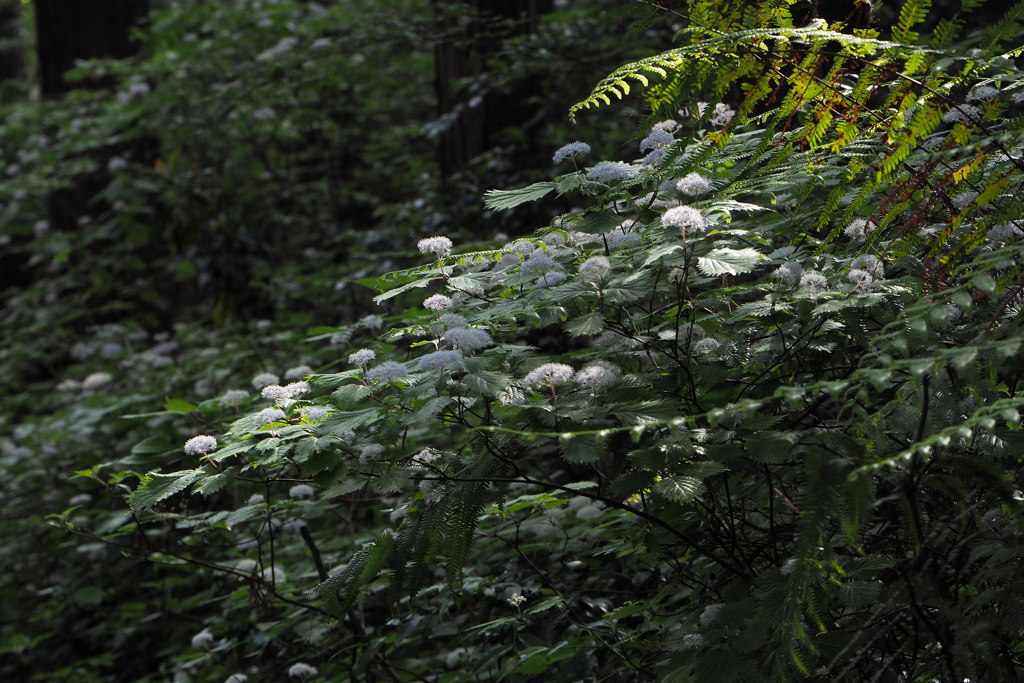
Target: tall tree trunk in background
[
  {"x": 68, "y": 30},
  {"x": 12, "y": 62},
  {"x": 476, "y": 117}
]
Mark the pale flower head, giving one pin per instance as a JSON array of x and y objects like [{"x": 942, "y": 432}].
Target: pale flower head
[
  {"x": 265, "y": 379},
  {"x": 438, "y": 302},
  {"x": 361, "y": 357},
  {"x": 298, "y": 372},
  {"x": 202, "y": 640},
  {"x": 388, "y": 372},
  {"x": 597, "y": 375},
  {"x": 442, "y": 246},
  {"x": 594, "y": 267},
  {"x": 570, "y": 151},
  {"x": 301, "y": 671},
  {"x": 549, "y": 374},
  {"x": 693, "y": 184},
  {"x": 200, "y": 445},
  {"x": 467, "y": 339},
  {"x": 233, "y": 397},
  {"x": 301, "y": 492},
  {"x": 686, "y": 218}
]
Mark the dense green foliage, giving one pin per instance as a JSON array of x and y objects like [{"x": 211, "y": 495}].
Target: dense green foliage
[{"x": 746, "y": 408}]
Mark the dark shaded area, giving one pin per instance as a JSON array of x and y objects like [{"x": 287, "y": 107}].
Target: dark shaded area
[{"x": 69, "y": 30}]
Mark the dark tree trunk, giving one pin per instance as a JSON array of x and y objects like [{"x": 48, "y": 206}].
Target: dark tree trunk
[
  {"x": 475, "y": 117},
  {"x": 12, "y": 62},
  {"x": 68, "y": 30}
]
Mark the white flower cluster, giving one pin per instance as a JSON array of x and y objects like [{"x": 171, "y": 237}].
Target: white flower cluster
[
  {"x": 609, "y": 172},
  {"x": 442, "y": 246},
  {"x": 1004, "y": 233},
  {"x": 814, "y": 282},
  {"x": 709, "y": 615},
  {"x": 268, "y": 416},
  {"x": 869, "y": 264},
  {"x": 372, "y": 450},
  {"x": 265, "y": 379},
  {"x": 298, "y": 372},
  {"x": 467, "y": 339},
  {"x": 389, "y": 371},
  {"x": 200, "y": 445},
  {"x": 551, "y": 279},
  {"x": 594, "y": 267},
  {"x": 597, "y": 375},
  {"x": 425, "y": 457},
  {"x": 962, "y": 113},
  {"x": 657, "y": 139},
  {"x": 301, "y": 671},
  {"x": 858, "y": 228},
  {"x": 685, "y": 218},
  {"x": 655, "y": 157},
  {"x": 789, "y": 273},
  {"x": 448, "y": 321},
  {"x": 437, "y": 302},
  {"x": 983, "y": 93},
  {"x": 315, "y": 413},
  {"x": 619, "y": 238},
  {"x": 233, "y": 397},
  {"x": 450, "y": 361},
  {"x": 202, "y": 640},
  {"x": 549, "y": 374},
  {"x": 276, "y": 392},
  {"x": 361, "y": 357},
  {"x": 570, "y": 151},
  {"x": 668, "y": 125},
  {"x": 693, "y": 184},
  {"x": 301, "y": 492},
  {"x": 722, "y": 115}
]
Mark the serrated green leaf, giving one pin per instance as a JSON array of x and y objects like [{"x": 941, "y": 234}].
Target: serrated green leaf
[
  {"x": 591, "y": 323},
  {"x": 178, "y": 406},
  {"x": 500, "y": 200},
  {"x": 728, "y": 262},
  {"x": 156, "y": 487},
  {"x": 679, "y": 489}
]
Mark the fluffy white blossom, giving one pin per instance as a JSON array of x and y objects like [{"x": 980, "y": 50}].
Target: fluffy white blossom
[
  {"x": 693, "y": 641},
  {"x": 963, "y": 113},
  {"x": 549, "y": 374},
  {"x": 861, "y": 279},
  {"x": 859, "y": 228},
  {"x": 442, "y": 246},
  {"x": 200, "y": 445},
  {"x": 655, "y": 157},
  {"x": 693, "y": 184},
  {"x": 998, "y": 234},
  {"x": 372, "y": 450},
  {"x": 869, "y": 264},
  {"x": 594, "y": 267},
  {"x": 597, "y": 375},
  {"x": 237, "y": 678},
  {"x": 620, "y": 238},
  {"x": 722, "y": 115},
  {"x": 657, "y": 139},
  {"x": 256, "y": 499},
  {"x": 467, "y": 339},
  {"x": 814, "y": 282},
  {"x": 276, "y": 392},
  {"x": 983, "y": 93},
  {"x": 298, "y": 372},
  {"x": 448, "y": 321},
  {"x": 246, "y": 566},
  {"x": 202, "y": 640},
  {"x": 450, "y": 361},
  {"x": 668, "y": 125},
  {"x": 301, "y": 671},
  {"x": 233, "y": 397},
  {"x": 268, "y": 416},
  {"x": 607, "y": 340},
  {"x": 570, "y": 151},
  {"x": 540, "y": 262},
  {"x": 706, "y": 346},
  {"x": 425, "y": 457},
  {"x": 372, "y": 322},
  {"x": 608, "y": 172},
  {"x": 97, "y": 380},
  {"x": 437, "y": 302},
  {"x": 789, "y": 273},
  {"x": 389, "y": 371},
  {"x": 551, "y": 279},
  {"x": 709, "y": 615},
  {"x": 301, "y": 491},
  {"x": 316, "y": 413},
  {"x": 685, "y": 218},
  {"x": 361, "y": 357},
  {"x": 265, "y": 379}
]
